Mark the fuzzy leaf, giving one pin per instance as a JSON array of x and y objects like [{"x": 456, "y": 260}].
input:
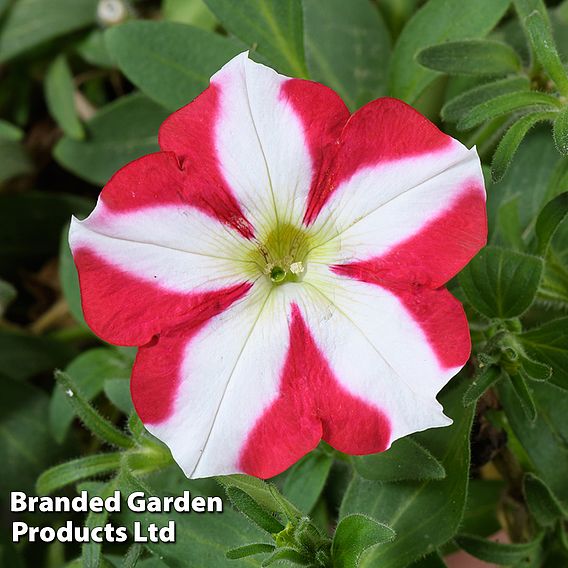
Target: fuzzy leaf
[
  {"x": 535, "y": 370},
  {"x": 454, "y": 109},
  {"x": 544, "y": 47},
  {"x": 501, "y": 283},
  {"x": 98, "y": 425},
  {"x": 435, "y": 22},
  {"x": 524, "y": 395},
  {"x": 75, "y": 470},
  {"x": 560, "y": 131},
  {"x": 546, "y": 440},
  {"x": 510, "y": 143},
  {"x": 549, "y": 219},
  {"x": 288, "y": 556},
  {"x": 548, "y": 344},
  {"x": 483, "y": 380},
  {"x": 132, "y": 557},
  {"x": 542, "y": 503},
  {"x": 258, "y": 489},
  {"x": 355, "y": 534},
  {"x": 505, "y": 104},
  {"x": 476, "y": 57},
  {"x": 249, "y": 550},
  {"x": 201, "y": 540},
  {"x": 250, "y": 508},
  {"x": 405, "y": 460},
  {"x": 88, "y": 372}
]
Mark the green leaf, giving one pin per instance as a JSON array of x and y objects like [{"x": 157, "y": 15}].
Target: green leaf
[
  {"x": 347, "y": 48},
  {"x": 510, "y": 143},
  {"x": 75, "y": 470},
  {"x": 7, "y": 295},
  {"x": 549, "y": 344},
  {"x": 510, "y": 223},
  {"x": 32, "y": 22},
  {"x": 89, "y": 372},
  {"x": 30, "y": 226},
  {"x": 476, "y": 57},
  {"x": 119, "y": 133},
  {"x": 251, "y": 509},
  {"x": 91, "y": 551},
  {"x": 249, "y": 550},
  {"x": 23, "y": 356},
  {"x": 93, "y": 50},
  {"x": 10, "y": 132},
  {"x": 132, "y": 557},
  {"x": 60, "y": 98},
  {"x": 14, "y": 160},
  {"x": 549, "y": 219},
  {"x": 540, "y": 36},
  {"x": 554, "y": 285},
  {"x": 193, "y": 12},
  {"x": 258, "y": 489},
  {"x": 424, "y": 514},
  {"x": 531, "y": 176},
  {"x": 118, "y": 392},
  {"x": 69, "y": 278},
  {"x": 406, "y": 459},
  {"x": 496, "y": 552},
  {"x": 433, "y": 560},
  {"x": 455, "y": 108},
  {"x": 437, "y": 21},
  {"x": 201, "y": 540},
  {"x": 505, "y": 104},
  {"x": 546, "y": 440},
  {"x": 501, "y": 283},
  {"x": 535, "y": 370},
  {"x": 542, "y": 503},
  {"x": 483, "y": 380},
  {"x": 524, "y": 396},
  {"x": 271, "y": 27},
  {"x": 98, "y": 425},
  {"x": 560, "y": 131},
  {"x": 355, "y": 534},
  {"x": 171, "y": 63},
  {"x": 305, "y": 480},
  {"x": 483, "y": 497},
  {"x": 288, "y": 556},
  {"x": 26, "y": 447}
]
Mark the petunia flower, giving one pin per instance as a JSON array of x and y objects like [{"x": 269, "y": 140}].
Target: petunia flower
[{"x": 280, "y": 264}]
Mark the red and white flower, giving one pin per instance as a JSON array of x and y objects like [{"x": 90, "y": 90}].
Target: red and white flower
[{"x": 281, "y": 265}]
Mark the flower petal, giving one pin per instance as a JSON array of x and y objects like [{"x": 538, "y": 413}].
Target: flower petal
[
  {"x": 222, "y": 374},
  {"x": 359, "y": 373},
  {"x": 312, "y": 404},
  {"x": 399, "y": 182},
  {"x": 380, "y": 353},
  {"x": 260, "y": 134},
  {"x": 155, "y": 260}
]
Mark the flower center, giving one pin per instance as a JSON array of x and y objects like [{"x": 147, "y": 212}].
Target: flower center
[{"x": 281, "y": 255}]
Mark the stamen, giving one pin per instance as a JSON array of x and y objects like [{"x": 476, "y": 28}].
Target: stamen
[{"x": 297, "y": 267}]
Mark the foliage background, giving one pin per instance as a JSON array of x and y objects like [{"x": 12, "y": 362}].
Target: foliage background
[{"x": 84, "y": 85}]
